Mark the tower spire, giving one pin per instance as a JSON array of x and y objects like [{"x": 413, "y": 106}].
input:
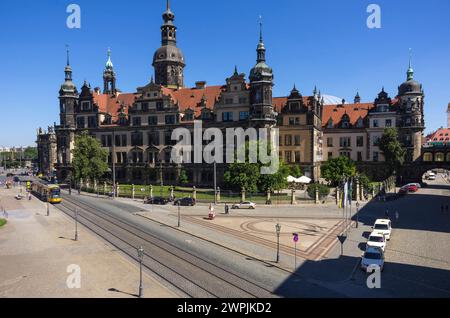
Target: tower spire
[
  {"x": 410, "y": 72},
  {"x": 261, "y": 48},
  {"x": 109, "y": 64},
  {"x": 260, "y": 29},
  {"x": 68, "y": 55},
  {"x": 168, "y": 5}
]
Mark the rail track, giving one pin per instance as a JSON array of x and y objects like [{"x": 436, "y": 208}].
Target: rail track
[{"x": 189, "y": 273}]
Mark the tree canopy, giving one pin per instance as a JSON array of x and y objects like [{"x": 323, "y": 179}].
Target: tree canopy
[
  {"x": 336, "y": 168},
  {"x": 393, "y": 151},
  {"x": 89, "y": 158}
]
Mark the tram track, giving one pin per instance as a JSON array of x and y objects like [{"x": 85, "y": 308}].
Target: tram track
[{"x": 194, "y": 276}]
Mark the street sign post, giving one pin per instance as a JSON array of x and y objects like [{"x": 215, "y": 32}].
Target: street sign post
[
  {"x": 295, "y": 238},
  {"x": 342, "y": 238}
]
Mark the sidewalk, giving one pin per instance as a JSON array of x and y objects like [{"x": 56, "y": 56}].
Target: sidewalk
[{"x": 36, "y": 250}]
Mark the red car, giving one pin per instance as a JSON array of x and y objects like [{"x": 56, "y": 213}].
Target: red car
[{"x": 409, "y": 188}]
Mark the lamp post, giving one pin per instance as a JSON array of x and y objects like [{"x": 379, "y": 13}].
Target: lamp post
[
  {"x": 76, "y": 224},
  {"x": 48, "y": 209},
  {"x": 140, "y": 251},
  {"x": 215, "y": 183},
  {"x": 278, "y": 230}
]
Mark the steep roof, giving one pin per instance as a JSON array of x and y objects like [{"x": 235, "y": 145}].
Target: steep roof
[
  {"x": 354, "y": 111},
  {"x": 112, "y": 103},
  {"x": 441, "y": 135}
]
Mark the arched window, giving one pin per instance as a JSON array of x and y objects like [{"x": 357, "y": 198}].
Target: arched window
[
  {"x": 439, "y": 157},
  {"x": 427, "y": 157}
]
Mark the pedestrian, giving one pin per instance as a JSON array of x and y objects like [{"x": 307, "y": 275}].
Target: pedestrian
[
  {"x": 226, "y": 209},
  {"x": 386, "y": 214}
]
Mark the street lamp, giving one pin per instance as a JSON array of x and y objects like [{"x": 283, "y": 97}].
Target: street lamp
[
  {"x": 278, "y": 230},
  {"x": 48, "y": 209},
  {"x": 140, "y": 251}
]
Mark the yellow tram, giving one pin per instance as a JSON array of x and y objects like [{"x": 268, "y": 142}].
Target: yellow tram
[{"x": 47, "y": 192}]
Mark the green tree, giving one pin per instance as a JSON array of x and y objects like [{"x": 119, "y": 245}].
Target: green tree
[
  {"x": 323, "y": 190},
  {"x": 276, "y": 181},
  {"x": 30, "y": 153},
  {"x": 242, "y": 175},
  {"x": 336, "y": 168},
  {"x": 184, "y": 179},
  {"x": 296, "y": 171},
  {"x": 393, "y": 151},
  {"x": 89, "y": 159}
]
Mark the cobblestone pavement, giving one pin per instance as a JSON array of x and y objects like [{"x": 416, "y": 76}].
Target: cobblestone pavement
[{"x": 35, "y": 251}]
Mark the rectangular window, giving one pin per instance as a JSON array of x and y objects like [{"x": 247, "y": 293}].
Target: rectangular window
[
  {"x": 329, "y": 142},
  {"x": 360, "y": 156},
  {"x": 388, "y": 123},
  {"x": 80, "y": 122},
  {"x": 109, "y": 141},
  {"x": 159, "y": 106},
  {"x": 92, "y": 122},
  {"x": 228, "y": 101},
  {"x": 170, "y": 120},
  {"x": 376, "y": 139},
  {"x": 291, "y": 121},
  {"x": 103, "y": 140},
  {"x": 375, "y": 123},
  {"x": 288, "y": 140},
  {"x": 124, "y": 141},
  {"x": 145, "y": 107},
  {"x": 227, "y": 116},
  {"x": 136, "y": 121},
  {"x": 375, "y": 156},
  {"x": 359, "y": 141},
  {"x": 189, "y": 117},
  {"x": 330, "y": 155},
  {"x": 297, "y": 140},
  {"x": 136, "y": 139},
  {"x": 344, "y": 142},
  {"x": 152, "y": 120},
  {"x": 243, "y": 115},
  {"x": 288, "y": 156},
  {"x": 242, "y": 100},
  {"x": 85, "y": 106},
  {"x": 297, "y": 156},
  {"x": 117, "y": 141}
]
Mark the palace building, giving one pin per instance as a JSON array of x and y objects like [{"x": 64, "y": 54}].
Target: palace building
[{"x": 136, "y": 127}]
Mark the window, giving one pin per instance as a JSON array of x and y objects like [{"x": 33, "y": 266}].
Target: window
[
  {"x": 330, "y": 155},
  {"x": 85, "y": 106},
  {"x": 124, "y": 141},
  {"x": 376, "y": 139},
  {"x": 375, "y": 123},
  {"x": 137, "y": 139},
  {"x": 153, "y": 138},
  {"x": 344, "y": 142},
  {"x": 152, "y": 120},
  {"x": 92, "y": 122},
  {"x": 106, "y": 140},
  {"x": 439, "y": 157},
  {"x": 242, "y": 100},
  {"x": 137, "y": 156},
  {"x": 345, "y": 154},
  {"x": 168, "y": 139},
  {"x": 80, "y": 122},
  {"x": 227, "y": 116},
  {"x": 388, "y": 122},
  {"x": 136, "y": 121},
  {"x": 243, "y": 115},
  {"x": 159, "y": 106},
  {"x": 330, "y": 124},
  {"x": 288, "y": 140},
  {"x": 294, "y": 121},
  {"x": 189, "y": 117},
  {"x": 297, "y": 156},
  {"x": 288, "y": 156},
  {"x": 427, "y": 157},
  {"x": 145, "y": 107},
  {"x": 329, "y": 142},
  {"x": 170, "y": 120},
  {"x": 359, "y": 154},
  {"x": 228, "y": 101},
  {"x": 360, "y": 141},
  {"x": 360, "y": 123},
  {"x": 297, "y": 140},
  {"x": 375, "y": 156}
]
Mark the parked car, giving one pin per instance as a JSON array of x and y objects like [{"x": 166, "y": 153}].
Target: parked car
[
  {"x": 432, "y": 177},
  {"x": 185, "y": 202},
  {"x": 384, "y": 227},
  {"x": 372, "y": 256},
  {"x": 408, "y": 188},
  {"x": 157, "y": 201},
  {"x": 414, "y": 184},
  {"x": 244, "y": 205},
  {"x": 377, "y": 239}
]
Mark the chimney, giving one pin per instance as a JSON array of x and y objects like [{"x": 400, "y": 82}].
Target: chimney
[
  {"x": 97, "y": 90},
  {"x": 200, "y": 85}
]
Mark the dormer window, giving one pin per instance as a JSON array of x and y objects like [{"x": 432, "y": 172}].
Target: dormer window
[
  {"x": 345, "y": 121},
  {"x": 330, "y": 124},
  {"x": 360, "y": 123}
]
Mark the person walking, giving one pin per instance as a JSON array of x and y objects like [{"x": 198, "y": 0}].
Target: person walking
[{"x": 386, "y": 214}]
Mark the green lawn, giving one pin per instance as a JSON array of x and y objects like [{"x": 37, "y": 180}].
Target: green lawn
[
  {"x": 203, "y": 195},
  {"x": 2, "y": 222}
]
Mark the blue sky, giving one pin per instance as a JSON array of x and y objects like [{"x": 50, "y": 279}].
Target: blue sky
[{"x": 322, "y": 42}]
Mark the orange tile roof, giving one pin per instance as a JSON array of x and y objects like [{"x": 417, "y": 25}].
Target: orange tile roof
[
  {"x": 190, "y": 98},
  {"x": 440, "y": 135},
  {"x": 109, "y": 104},
  {"x": 354, "y": 111},
  {"x": 280, "y": 102}
]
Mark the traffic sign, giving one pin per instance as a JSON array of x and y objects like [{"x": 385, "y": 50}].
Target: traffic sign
[{"x": 342, "y": 238}]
